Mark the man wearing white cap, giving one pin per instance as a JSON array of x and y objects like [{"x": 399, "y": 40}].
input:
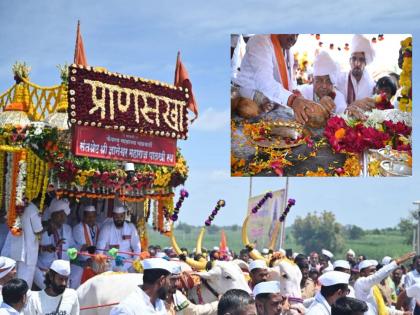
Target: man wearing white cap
[
  {"x": 56, "y": 298},
  {"x": 325, "y": 260},
  {"x": 268, "y": 298},
  {"x": 267, "y": 75},
  {"x": 55, "y": 240},
  {"x": 149, "y": 298},
  {"x": 334, "y": 284},
  {"x": 366, "y": 286},
  {"x": 357, "y": 85},
  {"x": 323, "y": 89},
  {"x": 121, "y": 235},
  {"x": 7, "y": 271},
  {"x": 258, "y": 272},
  {"x": 351, "y": 258},
  {"x": 85, "y": 235},
  {"x": 344, "y": 266},
  {"x": 177, "y": 303}
]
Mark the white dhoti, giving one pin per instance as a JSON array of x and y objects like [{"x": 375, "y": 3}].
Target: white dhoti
[{"x": 26, "y": 272}]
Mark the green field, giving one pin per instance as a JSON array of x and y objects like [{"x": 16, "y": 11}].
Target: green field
[{"x": 372, "y": 245}]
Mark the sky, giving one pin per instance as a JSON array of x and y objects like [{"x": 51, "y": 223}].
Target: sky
[{"x": 142, "y": 39}]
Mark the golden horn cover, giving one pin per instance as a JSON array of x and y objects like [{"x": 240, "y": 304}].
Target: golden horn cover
[
  {"x": 198, "y": 265},
  {"x": 254, "y": 254}
]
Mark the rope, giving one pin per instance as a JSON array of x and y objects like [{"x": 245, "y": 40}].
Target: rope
[{"x": 83, "y": 308}]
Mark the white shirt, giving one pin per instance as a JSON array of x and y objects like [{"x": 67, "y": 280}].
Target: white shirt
[
  {"x": 25, "y": 247},
  {"x": 6, "y": 309},
  {"x": 138, "y": 303},
  {"x": 80, "y": 238},
  {"x": 320, "y": 306},
  {"x": 260, "y": 71},
  {"x": 363, "y": 88},
  {"x": 45, "y": 259},
  {"x": 307, "y": 91},
  {"x": 363, "y": 286},
  {"x": 40, "y": 303},
  {"x": 124, "y": 239},
  {"x": 410, "y": 279}
]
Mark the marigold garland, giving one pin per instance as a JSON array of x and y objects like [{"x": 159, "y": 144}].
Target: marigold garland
[
  {"x": 2, "y": 179},
  {"x": 405, "y": 101}
]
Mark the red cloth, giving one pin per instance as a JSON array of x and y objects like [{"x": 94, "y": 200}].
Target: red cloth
[
  {"x": 79, "y": 52},
  {"x": 87, "y": 274},
  {"x": 182, "y": 79}
]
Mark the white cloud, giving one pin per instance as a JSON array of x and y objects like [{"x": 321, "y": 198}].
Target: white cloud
[{"x": 212, "y": 120}]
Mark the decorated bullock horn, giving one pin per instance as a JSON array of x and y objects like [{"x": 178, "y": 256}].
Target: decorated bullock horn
[
  {"x": 199, "y": 265},
  {"x": 253, "y": 253},
  {"x": 198, "y": 246},
  {"x": 274, "y": 236}
]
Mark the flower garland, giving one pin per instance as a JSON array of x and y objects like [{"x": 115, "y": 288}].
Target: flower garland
[
  {"x": 405, "y": 101},
  {"x": 182, "y": 195},
  {"x": 13, "y": 220},
  {"x": 382, "y": 102},
  {"x": 262, "y": 201},
  {"x": 2, "y": 175},
  {"x": 220, "y": 204},
  {"x": 290, "y": 204}
]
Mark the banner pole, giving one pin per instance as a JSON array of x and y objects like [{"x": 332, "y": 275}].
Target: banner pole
[{"x": 283, "y": 225}]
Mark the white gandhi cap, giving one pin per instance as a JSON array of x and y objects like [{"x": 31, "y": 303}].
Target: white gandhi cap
[
  {"x": 157, "y": 263},
  {"x": 89, "y": 208},
  {"x": 266, "y": 287},
  {"x": 341, "y": 264},
  {"x": 257, "y": 264},
  {"x": 6, "y": 265},
  {"x": 119, "y": 209},
  {"x": 327, "y": 253},
  {"x": 61, "y": 267},
  {"x": 367, "y": 263},
  {"x": 334, "y": 277}
]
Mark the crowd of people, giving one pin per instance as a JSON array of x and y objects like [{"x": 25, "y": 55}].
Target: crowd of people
[
  {"x": 267, "y": 80},
  {"x": 43, "y": 278}
]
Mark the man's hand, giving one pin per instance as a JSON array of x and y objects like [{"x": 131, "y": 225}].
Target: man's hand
[
  {"x": 356, "y": 112},
  {"x": 328, "y": 104},
  {"x": 299, "y": 106},
  {"x": 405, "y": 257},
  {"x": 364, "y": 104}
]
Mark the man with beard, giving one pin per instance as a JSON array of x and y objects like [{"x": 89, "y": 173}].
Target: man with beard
[
  {"x": 357, "y": 85},
  {"x": 85, "y": 235},
  {"x": 322, "y": 90},
  {"x": 121, "y": 235},
  {"x": 148, "y": 299},
  {"x": 56, "y": 298},
  {"x": 258, "y": 272},
  {"x": 55, "y": 241},
  {"x": 267, "y": 76},
  {"x": 178, "y": 304}
]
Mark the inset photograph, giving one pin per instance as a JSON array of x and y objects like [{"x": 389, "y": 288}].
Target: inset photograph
[{"x": 321, "y": 105}]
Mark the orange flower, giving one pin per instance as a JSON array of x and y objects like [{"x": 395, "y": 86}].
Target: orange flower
[{"x": 340, "y": 133}]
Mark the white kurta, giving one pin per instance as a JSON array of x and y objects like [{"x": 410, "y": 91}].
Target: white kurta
[
  {"x": 24, "y": 248},
  {"x": 363, "y": 88},
  {"x": 320, "y": 306},
  {"x": 138, "y": 303},
  {"x": 40, "y": 303},
  {"x": 364, "y": 291},
  {"x": 45, "y": 259},
  {"x": 79, "y": 235},
  {"x": 307, "y": 91},
  {"x": 410, "y": 279},
  {"x": 6, "y": 309},
  {"x": 260, "y": 72},
  {"x": 124, "y": 239}
]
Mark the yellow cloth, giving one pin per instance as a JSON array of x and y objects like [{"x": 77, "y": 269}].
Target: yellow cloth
[{"x": 380, "y": 304}]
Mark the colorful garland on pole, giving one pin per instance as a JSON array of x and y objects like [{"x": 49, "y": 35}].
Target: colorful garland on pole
[
  {"x": 221, "y": 203},
  {"x": 183, "y": 194},
  {"x": 290, "y": 204},
  {"x": 261, "y": 202},
  {"x": 405, "y": 100}
]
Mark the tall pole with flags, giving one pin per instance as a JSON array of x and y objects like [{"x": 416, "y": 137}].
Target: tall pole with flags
[{"x": 283, "y": 225}]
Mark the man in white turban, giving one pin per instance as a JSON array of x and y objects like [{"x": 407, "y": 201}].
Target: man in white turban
[
  {"x": 55, "y": 240},
  {"x": 357, "y": 85},
  {"x": 323, "y": 89},
  {"x": 121, "y": 235},
  {"x": 7, "y": 271}
]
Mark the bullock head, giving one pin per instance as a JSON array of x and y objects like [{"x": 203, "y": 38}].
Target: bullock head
[
  {"x": 223, "y": 276},
  {"x": 289, "y": 275}
]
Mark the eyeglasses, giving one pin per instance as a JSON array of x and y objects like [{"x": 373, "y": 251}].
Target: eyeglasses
[{"x": 359, "y": 59}]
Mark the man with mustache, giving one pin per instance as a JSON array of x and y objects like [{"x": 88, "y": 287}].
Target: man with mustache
[
  {"x": 121, "y": 235},
  {"x": 149, "y": 298},
  {"x": 266, "y": 76},
  {"x": 56, "y": 298},
  {"x": 357, "y": 85}
]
